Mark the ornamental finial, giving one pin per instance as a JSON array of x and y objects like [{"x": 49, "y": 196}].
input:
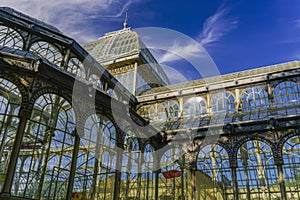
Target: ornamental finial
[{"x": 125, "y": 21}]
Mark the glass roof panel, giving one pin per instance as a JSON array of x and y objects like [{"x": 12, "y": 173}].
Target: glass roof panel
[{"x": 113, "y": 44}]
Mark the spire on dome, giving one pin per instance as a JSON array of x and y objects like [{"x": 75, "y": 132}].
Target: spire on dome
[{"x": 125, "y": 20}]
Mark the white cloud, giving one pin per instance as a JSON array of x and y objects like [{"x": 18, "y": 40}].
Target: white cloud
[
  {"x": 213, "y": 30},
  {"x": 168, "y": 46},
  {"x": 71, "y": 17},
  {"x": 216, "y": 26},
  {"x": 178, "y": 51}
]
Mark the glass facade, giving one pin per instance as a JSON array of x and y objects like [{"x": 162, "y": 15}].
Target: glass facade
[
  {"x": 50, "y": 149},
  {"x": 10, "y": 102},
  {"x": 113, "y": 45},
  {"x": 127, "y": 79},
  {"x": 126, "y": 45}
]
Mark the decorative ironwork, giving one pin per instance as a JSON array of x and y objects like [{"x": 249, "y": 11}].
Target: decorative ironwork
[
  {"x": 286, "y": 93},
  {"x": 257, "y": 176},
  {"x": 195, "y": 107},
  {"x": 47, "y": 51},
  {"x": 223, "y": 103},
  {"x": 96, "y": 161},
  {"x": 76, "y": 67},
  {"x": 254, "y": 98},
  {"x": 291, "y": 166},
  {"x": 10, "y": 102},
  {"x": 11, "y": 38},
  {"x": 214, "y": 166},
  {"x": 258, "y": 126},
  {"x": 47, "y": 142}
]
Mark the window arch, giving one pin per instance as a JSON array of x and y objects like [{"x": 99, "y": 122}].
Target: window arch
[
  {"x": 195, "y": 107},
  {"x": 10, "y": 102},
  {"x": 168, "y": 110},
  {"x": 286, "y": 93},
  {"x": 96, "y": 162},
  {"x": 99, "y": 134},
  {"x": 76, "y": 67},
  {"x": 168, "y": 159},
  {"x": 291, "y": 166},
  {"x": 213, "y": 178},
  {"x": 47, "y": 51},
  {"x": 170, "y": 179},
  {"x": 257, "y": 175},
  {"x": 223, "y": 103},
  {"x": 254, "y": 98},
  {"x": 10, "y": 38},
  {"x": 172, "y": 109},
  {"x": 49, "y": 140}
]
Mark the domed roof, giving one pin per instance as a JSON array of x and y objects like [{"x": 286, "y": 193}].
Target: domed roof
[
  {"x": 114, "y": 45},
  {"x": 124, "y": 45}
]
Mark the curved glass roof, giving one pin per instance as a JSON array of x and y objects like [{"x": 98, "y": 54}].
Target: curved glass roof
[
  {"x": 30, "y": 19},
  {"x": 114, "y": 45},
  {"x": 121, "y": 44}
]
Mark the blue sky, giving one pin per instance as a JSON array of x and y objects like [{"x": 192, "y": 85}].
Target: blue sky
[{"x": 238, "y": 35}]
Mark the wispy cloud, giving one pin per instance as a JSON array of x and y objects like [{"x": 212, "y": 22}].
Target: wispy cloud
[
  {"x": 216, "y": 26},
  {"x": 71, "y": 16},
  {"x": 178, "y": 51},
  {"x": 213, "y": 30}
]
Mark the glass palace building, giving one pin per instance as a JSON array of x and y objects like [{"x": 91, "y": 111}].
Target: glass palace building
[{"x": 102, "y": 121}]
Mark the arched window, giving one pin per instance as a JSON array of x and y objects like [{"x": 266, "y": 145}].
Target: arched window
[
  {"x": 96, "y": 162},
  {"x": 213, "y": 177},
  {"x": 170, "y": 180},
  {"x": 167, "y": 110},
  {"x": 223, "y": 103},
  {"x": 257, "y": 175},
  {"x": 287, "y": 93},
  {"x": 49, "y": 140},
  {"x": 10, "y": 38},
  {"x": 99, "y": 134},
  {"x": 10, "y": 102},
  {"x": 195, "y": 107},
  {"x": 47, "y": 51},
  {"x": 254, "y": 98},
  {"x": 291, "y": 167},
  {"x": 172, "y": 109},
  {"x": 131, "y": 163},
  {"x": 76, "y": 67}
]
